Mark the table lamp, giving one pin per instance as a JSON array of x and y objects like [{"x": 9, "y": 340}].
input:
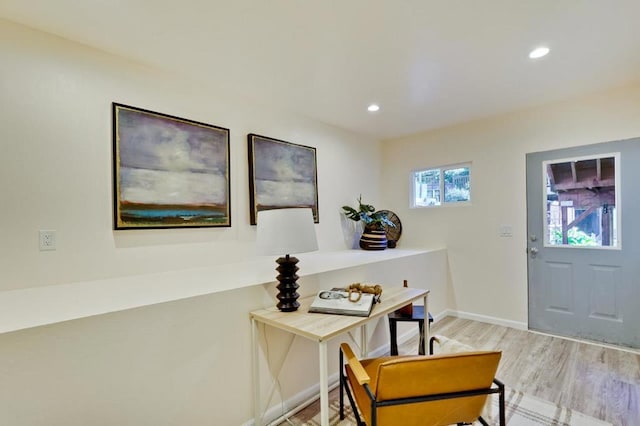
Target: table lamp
[{"x": 286, "y": 231}]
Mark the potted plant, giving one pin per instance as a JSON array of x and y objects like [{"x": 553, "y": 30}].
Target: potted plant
[{"x": 374, "y": 236}]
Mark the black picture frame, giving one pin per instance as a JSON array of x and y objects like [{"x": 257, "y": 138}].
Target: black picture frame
[
  {"x": 281, "y": 175},
  {"x": 168, "y": 172}
]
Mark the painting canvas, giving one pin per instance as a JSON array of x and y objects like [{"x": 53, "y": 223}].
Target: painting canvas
[
  {"x": 169, "y": 172},
  {"x": 281, "y": 175}
]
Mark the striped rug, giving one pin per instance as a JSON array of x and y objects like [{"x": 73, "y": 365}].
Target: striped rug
[{"x": 521, "y": 410}]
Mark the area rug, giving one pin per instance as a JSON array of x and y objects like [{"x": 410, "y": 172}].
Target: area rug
[{"x": 521, "y": 410}]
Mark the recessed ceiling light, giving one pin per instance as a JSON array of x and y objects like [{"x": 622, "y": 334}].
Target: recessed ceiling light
[
  {"x": 373, "y": 108},
  {"x": 538, "y": 52}
]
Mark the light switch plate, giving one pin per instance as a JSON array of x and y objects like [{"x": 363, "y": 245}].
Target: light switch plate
[{"x": 506, "y": 231}]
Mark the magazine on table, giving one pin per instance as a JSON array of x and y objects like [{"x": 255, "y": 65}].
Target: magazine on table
[{"x": 338, "y": 301}]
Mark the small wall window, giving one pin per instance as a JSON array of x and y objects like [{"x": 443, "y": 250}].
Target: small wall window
[{"x": 441, "y": 186}]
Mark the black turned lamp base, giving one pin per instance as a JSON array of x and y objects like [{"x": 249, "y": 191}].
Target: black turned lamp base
[{"x": 288, "y": 295}]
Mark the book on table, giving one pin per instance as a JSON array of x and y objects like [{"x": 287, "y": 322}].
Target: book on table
[{"x": 337, "y": 301}]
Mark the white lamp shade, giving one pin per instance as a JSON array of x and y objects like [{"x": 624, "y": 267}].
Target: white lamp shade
[{"x": 286, "y": 231}]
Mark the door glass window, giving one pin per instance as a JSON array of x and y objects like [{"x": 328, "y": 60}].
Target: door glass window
[{"x": 582, "y": 204}]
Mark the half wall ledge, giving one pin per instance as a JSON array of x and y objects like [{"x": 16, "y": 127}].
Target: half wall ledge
[{"x": 38, "y": 306}]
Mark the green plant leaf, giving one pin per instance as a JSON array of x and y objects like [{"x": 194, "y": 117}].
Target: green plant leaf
[{"x": 367, "y": 214}]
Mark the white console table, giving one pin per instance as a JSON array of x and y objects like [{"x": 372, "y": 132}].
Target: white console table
[{"x": 321, "y": 328}]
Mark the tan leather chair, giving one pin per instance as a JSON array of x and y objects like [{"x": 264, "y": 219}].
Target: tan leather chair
[{"x": 420, "y": 390}]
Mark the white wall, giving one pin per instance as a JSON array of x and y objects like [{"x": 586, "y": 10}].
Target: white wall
[
  {"x": 489, "y": 273},
  {"x": 56, "y": 173},
  {"x": 180, "y": 363}
]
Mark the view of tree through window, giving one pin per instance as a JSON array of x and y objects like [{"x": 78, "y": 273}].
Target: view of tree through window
[
  {"x": 456, "y": 186},
  {"x": 581, "y": 203},
  {"x": 438, "y": 186}
]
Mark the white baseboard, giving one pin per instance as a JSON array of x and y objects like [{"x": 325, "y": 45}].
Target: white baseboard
[
  {"x": 484, "y": 318},
  {"x": 280, "y": 412},
  {"x": 302, "y": 399},
  {"x": 465, "y": 315}
]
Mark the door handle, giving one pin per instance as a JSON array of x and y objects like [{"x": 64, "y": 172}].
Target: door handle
[{"x": 533, "y": 251}]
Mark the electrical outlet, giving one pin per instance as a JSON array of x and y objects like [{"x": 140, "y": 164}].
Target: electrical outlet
[{"x": 47, "y": 240}]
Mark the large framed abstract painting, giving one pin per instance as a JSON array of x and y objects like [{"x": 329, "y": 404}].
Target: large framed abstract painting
[
  {"x": 281, "y": 175},
  {"x": 168, "y": 172}
]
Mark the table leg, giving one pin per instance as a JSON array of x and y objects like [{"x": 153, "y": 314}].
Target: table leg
[
  {"x": 425, "y": 327},
  {"x": 421, "y": 343},
  {"x": 364, "y": 348},
  {"x": 393, "y": 333},
  {"x": 324, "y": 383},
  {"x": 257, "y": 420}
]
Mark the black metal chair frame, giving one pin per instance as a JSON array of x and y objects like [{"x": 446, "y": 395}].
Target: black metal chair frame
[{"x": 344, "y": 385}]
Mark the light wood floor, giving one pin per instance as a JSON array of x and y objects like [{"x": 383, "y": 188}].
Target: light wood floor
[{"x": 598, "y": 381}]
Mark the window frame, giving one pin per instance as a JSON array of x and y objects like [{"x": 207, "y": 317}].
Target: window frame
[{"x": 441, "y": 169}]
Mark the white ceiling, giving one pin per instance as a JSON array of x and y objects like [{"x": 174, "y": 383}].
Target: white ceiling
[{"x": 427, "y": 63}]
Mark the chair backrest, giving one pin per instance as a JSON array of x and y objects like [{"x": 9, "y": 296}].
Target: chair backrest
[{"x": 408, "y": 377}]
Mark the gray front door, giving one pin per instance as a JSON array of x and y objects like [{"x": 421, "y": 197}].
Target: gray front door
[{"x": 583, "y": 232}]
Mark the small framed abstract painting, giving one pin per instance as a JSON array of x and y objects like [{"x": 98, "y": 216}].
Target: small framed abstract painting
[
  {"x": 168, "y": 172},
  {"x": 281, "y": 175}
]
